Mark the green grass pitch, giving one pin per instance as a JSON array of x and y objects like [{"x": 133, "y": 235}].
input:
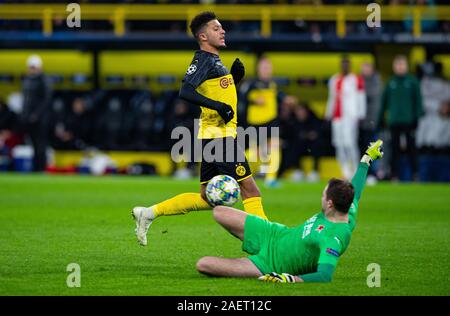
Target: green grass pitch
[{"x": 48, "y": 222}]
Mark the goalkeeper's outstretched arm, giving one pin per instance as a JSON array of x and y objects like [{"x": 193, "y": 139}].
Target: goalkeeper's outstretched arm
[{"x": 373, "y": 152}]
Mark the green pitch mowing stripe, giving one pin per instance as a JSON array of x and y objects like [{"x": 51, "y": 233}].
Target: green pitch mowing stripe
[{"x": 48, "y": 222}]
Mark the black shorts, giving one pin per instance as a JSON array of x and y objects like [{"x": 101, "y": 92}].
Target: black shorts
[{"x": 223, "y": 156}]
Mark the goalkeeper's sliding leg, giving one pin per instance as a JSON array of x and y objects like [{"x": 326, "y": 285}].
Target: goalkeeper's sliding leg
[{"x": 233, "y": 221}]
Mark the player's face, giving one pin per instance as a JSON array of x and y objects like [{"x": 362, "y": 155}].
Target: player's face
[
  {"x": 400, "y": 67},
  {"x": 324, "y": 199},
  {"x": 265, "y": 69},
  {"x": 345, "y": 66},
  {"x": 327, "y": 205},
  {"x": 34, "y": 70},
  {"x": 215, "y": 34},
  {"x": 367, "y": 69}
]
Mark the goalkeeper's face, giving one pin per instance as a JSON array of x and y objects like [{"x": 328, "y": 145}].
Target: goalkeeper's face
[
  {"x": 326, "y": 204},
  {"x": 215, "y": 34}
]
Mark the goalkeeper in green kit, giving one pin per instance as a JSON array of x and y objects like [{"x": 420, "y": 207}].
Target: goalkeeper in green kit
[{"x": 306, "y": 253}]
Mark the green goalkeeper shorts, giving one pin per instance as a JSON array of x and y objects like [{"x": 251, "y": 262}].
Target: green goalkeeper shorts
[{"x": 260, "y": 237}]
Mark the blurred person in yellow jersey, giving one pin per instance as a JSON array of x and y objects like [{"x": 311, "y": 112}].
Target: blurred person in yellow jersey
[
  {"x": 208, "y": 84},
  {"x": 259, "y": 105}
]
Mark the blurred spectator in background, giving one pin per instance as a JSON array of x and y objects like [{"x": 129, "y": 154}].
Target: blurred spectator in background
[
  {"x": 373, "y": 87},
  {"x": 9, "y": 135},
  {"x": 143, "y": 121},
  {"x": 301, "y": 138},
  {"x": 109, "y": 128},
  {"x": 433, "y": 141},
  {"x": 57, "y": 122},
  {"x": 402, "y": 104},
  {"x": 345, "y": 108},
  {"x": 37, "y": 93},
  {"x": 259, "y": 100},
  {"x": 74, "y": 132},
  {"x": 287, "y": 138},
  {"x": 184, "y": 115},
  {"x": 435, "y": 89}
]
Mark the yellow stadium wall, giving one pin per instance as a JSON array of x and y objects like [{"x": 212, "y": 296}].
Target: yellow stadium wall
[
  {"x": 60, "y": 62},
  {"x": 152, "y": 64}
]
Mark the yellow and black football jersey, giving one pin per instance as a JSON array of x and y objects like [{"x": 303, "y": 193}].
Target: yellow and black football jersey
[{"x": 212, "y": 79}]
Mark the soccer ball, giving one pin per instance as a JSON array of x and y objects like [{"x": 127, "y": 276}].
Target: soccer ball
[{"x": 222, "y": 190}]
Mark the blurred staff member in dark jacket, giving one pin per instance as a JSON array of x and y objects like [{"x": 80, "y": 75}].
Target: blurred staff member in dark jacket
[
  {"x": 401, "y": 108},
  {"x": 36, "y": 110}
]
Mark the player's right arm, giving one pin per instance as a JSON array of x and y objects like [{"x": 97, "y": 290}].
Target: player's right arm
[{"x": 195, "y": 75}]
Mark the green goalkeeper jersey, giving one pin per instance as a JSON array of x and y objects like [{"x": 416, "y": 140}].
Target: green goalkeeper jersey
[
  {"x": 301, "y": 249},
  {"x": 310, "y": 250}
]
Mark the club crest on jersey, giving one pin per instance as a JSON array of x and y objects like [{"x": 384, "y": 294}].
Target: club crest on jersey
[
  {"x": 192, "y": 68},
  {"x": 320, "y": 228},
  {"x": 240, "y": 170},
  {"x": 225, "y": 82}
]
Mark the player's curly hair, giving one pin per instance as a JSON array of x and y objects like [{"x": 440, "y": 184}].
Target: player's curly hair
[
  {"x": 341, "y": 192},
  {"x": 200, "y": 21}
]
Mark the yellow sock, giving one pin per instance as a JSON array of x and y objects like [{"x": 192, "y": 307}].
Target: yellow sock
[
  {"x": 181, "y": 204},
  {"x": 254, "y": 206}
]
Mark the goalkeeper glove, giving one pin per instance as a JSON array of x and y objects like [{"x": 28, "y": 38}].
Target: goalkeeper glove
[
  {"x": 375, "y": 150},
  {"x": 237, "y": 71},
  {"x": 277, "y": 278},
  {"x": 226, "y": 112}
]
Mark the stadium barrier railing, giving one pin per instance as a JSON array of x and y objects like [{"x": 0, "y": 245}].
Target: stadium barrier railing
[{"x": 265, "y": 14}]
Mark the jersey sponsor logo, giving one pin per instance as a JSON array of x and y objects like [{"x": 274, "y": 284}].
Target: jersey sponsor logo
[
  {"x": 226, "y": 82},
  {"x": 240, "y": 170},
  {"x": 333, "y": 252},
  {"x": 192, "y": 68},
  {"x": 320, "y": 228}
]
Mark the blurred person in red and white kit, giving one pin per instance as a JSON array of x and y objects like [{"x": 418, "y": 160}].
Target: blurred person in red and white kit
[{"x": 346, "y": 107}]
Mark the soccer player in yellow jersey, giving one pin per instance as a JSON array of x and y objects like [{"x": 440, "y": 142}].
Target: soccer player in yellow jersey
[
  {"x": 260, "y": 100},
  {"x": 210, "y": 85}
]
